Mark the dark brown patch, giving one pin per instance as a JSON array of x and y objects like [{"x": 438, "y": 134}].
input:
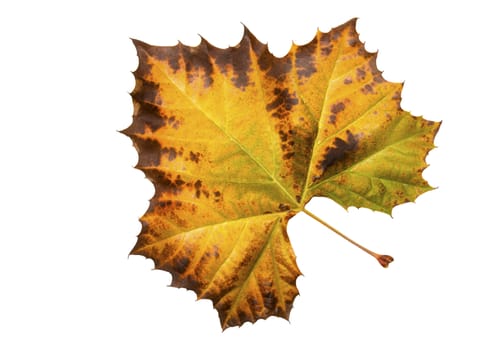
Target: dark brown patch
[
  {"x": 347, "y": 81},
  {"x": 362, "y": 52},
  {"x": 170, "y": 54},
  {"x": 241, "y": 64},
  {"x": 335, "y": 109},
  {"x": 149, "y": 115},
  {"x": 288, "y": 155},
  {"x": 156, "y": 176},
  {"x": 198, "y": 63},
  {"x": 163, "y": 204},
  {"x": 146, "y": 116},
  {"x": 222, "y": 57},
  {"x": 215, "y": 251},
  {"x": 197, "y": 187},
  {"x": 270, "y": 300},
  {"x": 283, "y": 135},
  {"x": 372, "y": 64},
  {"x": 191, "y": 282},
  {"x": 217, "y": 196},
  {"x": 326, "y": 44},
  {"x": 282, "y": 103},
  {"x": 360, "y": 73},
  {"x": 173, "y": 56},
  {"x": 164, "y": 183},
  {"x": 305, "y": 62},
  {"x": 274, "y": 67},
  {"x": 171, "y": 153},
  {"x": 173, "y": 122},
  {"x": 149, "y": 152},
  {"x": 194, "y": 157},
  {"x": 284, "y": 207},
  {"x": 147, "y": 91},
  {"x": 367, "y": 89},
  {"x": 252, "y": 302},
  {"x": 169, "y": 186},
  {"x": 339, "y": 151},
  {"x": 352, "y": 42},
  {"x": 180, "y": 265},
  {"x": 178, "y": 181}
]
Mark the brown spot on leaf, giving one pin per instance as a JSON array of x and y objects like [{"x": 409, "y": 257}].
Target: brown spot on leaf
[
  {"x": 179, "y": 181},
  {"x": 270, "y": 300},
  {"x": 338, "y": 151},
  {"x": 276, "y": 68},
  {"x": 170, "y": 186},
  {"x": 149, "y": 116},
  {"x": 336, "y": 108},
  {"x": 197, "y": 187},
  {"x": 171, "y": 153},
  {"x": 284, "y": 207},
  {"x": 194, "y": 157},
  {"x": 150, "y": 152},
  {"x": 372, "y": 64},
  {"x": 215, "y": 251},
  {"x": 241, "y": 64},
  {"x": 367, "y": 89},
  {"x": 173, "y": 122},
  {"x": 282, "y": 103},
  {"x": 347, "y": 81},
  {"x": 170, "y": 54},
  {"x": 326, "y": 43},
  {"x": 147, "y": 91},
  {"x": 198, "y": 63},
  {"x": 305, "y": 61},
  {"x": 360, "y": 73},
  {"x": 222, "y": 57},
  {"x": 283, "y": 135},
  {"x": 181, "y": 264},
  {"x": 396, "y": 96}
]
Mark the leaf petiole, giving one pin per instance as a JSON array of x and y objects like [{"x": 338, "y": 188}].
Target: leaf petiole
[{"x": 383, "y": 260}]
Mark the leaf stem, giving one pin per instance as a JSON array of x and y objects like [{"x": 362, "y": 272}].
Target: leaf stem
[{"x": 383, "y": 260}]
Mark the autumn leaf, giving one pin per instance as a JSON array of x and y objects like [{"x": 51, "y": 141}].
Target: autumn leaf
[{"x": 237, "y": 141}]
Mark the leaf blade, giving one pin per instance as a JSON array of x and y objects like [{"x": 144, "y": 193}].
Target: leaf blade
[{"x": 237, "y": 141}]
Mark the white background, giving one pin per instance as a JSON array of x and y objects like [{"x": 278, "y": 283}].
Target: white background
[{"x": 70, "y": 198}]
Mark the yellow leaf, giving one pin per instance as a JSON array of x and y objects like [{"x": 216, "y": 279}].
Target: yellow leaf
[{"x": 237, "y": 141}]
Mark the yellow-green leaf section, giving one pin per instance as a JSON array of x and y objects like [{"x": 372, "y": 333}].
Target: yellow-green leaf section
[{"x": 237, "y": 141}]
